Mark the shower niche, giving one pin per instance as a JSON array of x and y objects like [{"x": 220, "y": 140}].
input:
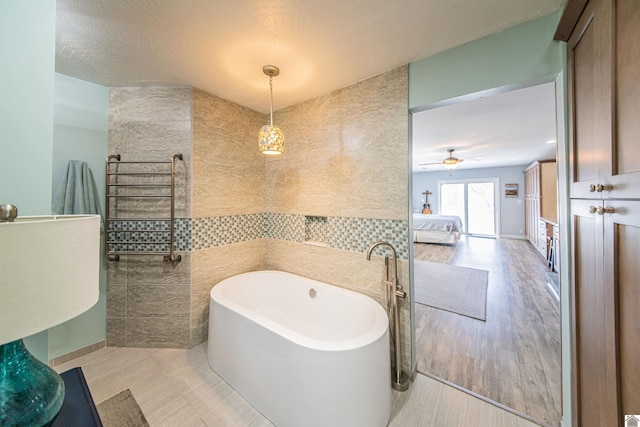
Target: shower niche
[{"x": 316, "y": 230}]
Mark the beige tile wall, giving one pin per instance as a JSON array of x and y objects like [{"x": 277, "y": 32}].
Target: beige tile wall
[
  {"x": 228, "y": 168},
  {"x": 148, "y": 301},
  {"x": 346, "y": 155},
  {"x": 228, "y": 172}
]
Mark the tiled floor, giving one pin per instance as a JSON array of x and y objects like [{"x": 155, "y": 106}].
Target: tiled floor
[{"x": 177, "y": 388}]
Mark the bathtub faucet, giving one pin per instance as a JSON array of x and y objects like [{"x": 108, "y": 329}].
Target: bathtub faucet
[
  {"x": 400, "y": 382},
  {"x": 391, "y": 273}
]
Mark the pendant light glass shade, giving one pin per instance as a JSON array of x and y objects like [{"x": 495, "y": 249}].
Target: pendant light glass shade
[{"x": 271, "y": 138}]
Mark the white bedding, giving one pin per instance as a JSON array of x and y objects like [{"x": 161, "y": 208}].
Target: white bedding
[
  {"x": 447, "y": 223},
  {"x": 442, "y": 229}
]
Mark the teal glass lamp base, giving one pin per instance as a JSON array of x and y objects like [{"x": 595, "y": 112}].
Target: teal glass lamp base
[{"x": 31, "y": 393}]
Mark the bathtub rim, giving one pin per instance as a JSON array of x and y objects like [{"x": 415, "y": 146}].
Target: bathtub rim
[{"x": 373, "y": 334}]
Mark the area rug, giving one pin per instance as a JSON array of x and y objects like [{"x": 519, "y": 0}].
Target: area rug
[
  {"x": 448, "y": 287},
  {"x": 121, "y": 410}
]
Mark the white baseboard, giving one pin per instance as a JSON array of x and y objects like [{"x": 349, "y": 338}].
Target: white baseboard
[{"x": 513, "y": 236}]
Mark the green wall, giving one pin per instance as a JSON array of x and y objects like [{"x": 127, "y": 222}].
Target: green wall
[
  {"x": 27, "y": 63},
  {"x": 80, "y": 133},
  {"x": 33, "y": 154},
  {"x": 518, "y": 55}
]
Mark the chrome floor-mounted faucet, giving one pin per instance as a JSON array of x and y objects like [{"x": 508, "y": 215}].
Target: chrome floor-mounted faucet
[{"x": 400, "y": 382}]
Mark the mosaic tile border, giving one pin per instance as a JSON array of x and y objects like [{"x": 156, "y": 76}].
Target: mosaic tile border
[
  {"x": 346, "y": 233},
  {"x": 142, "y": 235}
]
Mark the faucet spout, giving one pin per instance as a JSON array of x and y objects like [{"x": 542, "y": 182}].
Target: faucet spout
[{"x": 376, "y": 244}]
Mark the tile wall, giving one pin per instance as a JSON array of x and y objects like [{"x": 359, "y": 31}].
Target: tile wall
[
  {"x": 148, "y": 301},
  {"x": 346, "y": 160},
  {"x": 342, "y": 182}
]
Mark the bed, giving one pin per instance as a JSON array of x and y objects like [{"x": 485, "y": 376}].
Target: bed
[{"x": 436, "y": 228}]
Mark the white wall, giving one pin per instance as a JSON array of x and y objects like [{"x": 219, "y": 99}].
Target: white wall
[{"x": 511, "y": 209}]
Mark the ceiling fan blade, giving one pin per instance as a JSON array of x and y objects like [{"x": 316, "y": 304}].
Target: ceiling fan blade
[{"x": 429, "y": 164}]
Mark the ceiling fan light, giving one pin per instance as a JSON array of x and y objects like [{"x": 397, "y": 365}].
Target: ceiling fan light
[
  {"x": 450, "y": 165},
  {"x": 451, "y": 162}
]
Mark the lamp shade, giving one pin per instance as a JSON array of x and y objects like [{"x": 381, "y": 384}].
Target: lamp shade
[
  {"x": 271, "y": 140},
  {"x": 49, "y": 272}
]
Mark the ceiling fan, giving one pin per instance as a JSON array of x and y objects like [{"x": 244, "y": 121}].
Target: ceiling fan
[{"x": 449, "y": 163}]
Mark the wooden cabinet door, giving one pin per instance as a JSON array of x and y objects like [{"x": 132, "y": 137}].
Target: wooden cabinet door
[
  {"x": 624, "y": 167},
  {"x": 622, "y": 275},
  {"x": 594, "y": 356},
  {"x": 590, "y": 104},
  {"x": 606, "y": 292},
  {"x": 604, "y": 89}
]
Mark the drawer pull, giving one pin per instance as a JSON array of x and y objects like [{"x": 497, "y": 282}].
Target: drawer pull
[{"x": 593, "y": 209}]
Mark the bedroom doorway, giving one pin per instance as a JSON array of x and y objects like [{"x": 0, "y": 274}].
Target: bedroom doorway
[
  {"x": 506, "y": 359},
  {"x": 474, "y": 202}
]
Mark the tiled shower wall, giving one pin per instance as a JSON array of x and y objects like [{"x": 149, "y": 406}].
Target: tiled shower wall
[
  {"x": 148, "y": 301},
  {"x": 342, "y": 183},
  {"x": 228, "y": 199}
]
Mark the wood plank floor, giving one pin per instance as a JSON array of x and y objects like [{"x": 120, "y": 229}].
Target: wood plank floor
[
  {"x": 514, "y": 357},
  {"x": 176, "y": 387}
]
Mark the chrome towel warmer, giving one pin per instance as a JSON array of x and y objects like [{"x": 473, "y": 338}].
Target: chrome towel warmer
[{"x": 139, "y": 180}]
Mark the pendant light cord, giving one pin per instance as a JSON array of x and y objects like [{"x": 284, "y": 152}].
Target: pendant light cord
[{"x": 271, "y": 96}]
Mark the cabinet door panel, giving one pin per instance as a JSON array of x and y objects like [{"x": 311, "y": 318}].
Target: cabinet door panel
[
  {"x": 590, "y": 351},
  {"x": 590, "y": 139},
  {"x": 622, "y": 268},
  {"x": 625, "y": 165}
]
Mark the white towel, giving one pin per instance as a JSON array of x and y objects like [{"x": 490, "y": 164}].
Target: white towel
[{"x": 76, "y": 193}]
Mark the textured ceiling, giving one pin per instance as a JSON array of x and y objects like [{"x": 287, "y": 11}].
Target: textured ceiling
[{"x": 220, "y": 46}]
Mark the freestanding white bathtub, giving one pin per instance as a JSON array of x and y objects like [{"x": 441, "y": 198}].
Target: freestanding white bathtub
[{"x": 302, "y": 352}]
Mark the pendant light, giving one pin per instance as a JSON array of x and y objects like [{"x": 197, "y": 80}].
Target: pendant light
[{"x": 271, "y": 139}]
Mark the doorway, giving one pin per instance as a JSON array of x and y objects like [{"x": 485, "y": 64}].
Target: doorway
[
  {"x": 492, "y": 359},
  {"x": 474, "y": 202}
]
